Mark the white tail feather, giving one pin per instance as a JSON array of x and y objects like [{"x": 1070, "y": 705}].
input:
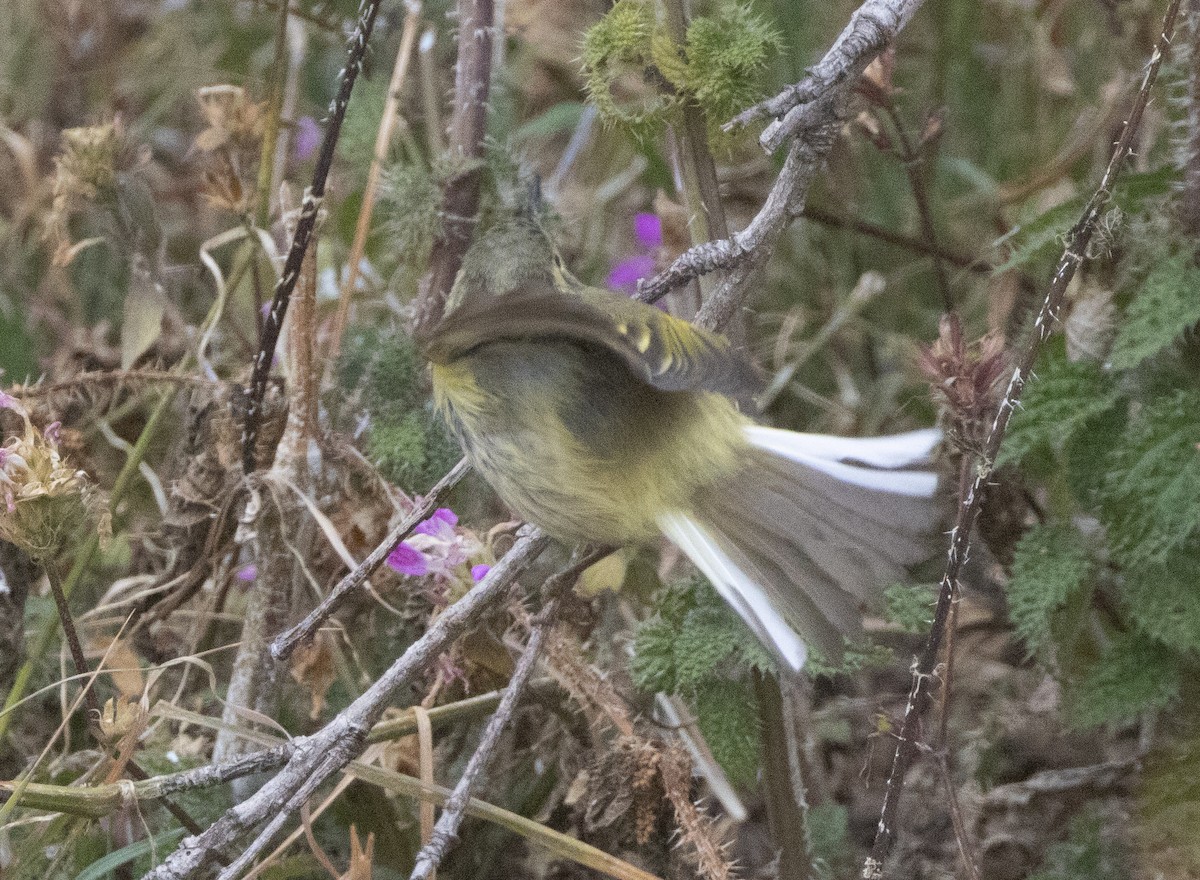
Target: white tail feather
[
  {"x": 745, "y": 596},
  {"x": 831, "y": 454}
]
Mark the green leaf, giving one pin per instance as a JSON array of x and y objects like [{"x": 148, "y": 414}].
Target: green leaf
[
  {"x": 1052, "y": 563},
  {"x": 693, "y": 639},
  {"x": 1166, "y": 306},
  {"x": 563, "y": 116},
  {"x": 127, "y": 854},
  {"x": 1043, "y": 235},
  {"x": 910, "y": 606},
  {"x": 1136, "y": 675},
  {"x": 1163, "y": 600},
  {"x": 727, "y": 714},
  {"x": 1063, "y": 399},
  {"x": 1151, "y": 498}
]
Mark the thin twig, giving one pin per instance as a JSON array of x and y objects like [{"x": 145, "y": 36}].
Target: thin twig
[
  {"x": 287, "y": 642},
  {"x": 310, "y": 206},
  {"x": 446, "y": 830},
  {"x": 872, "y": 230},
  {"x": 911, "y": 161},
  {"x": 73, "y": 643},
  {"x": 1073, "y": 256},
  {"x": 316, "y": 758}
]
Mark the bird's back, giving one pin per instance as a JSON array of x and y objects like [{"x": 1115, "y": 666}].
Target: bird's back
[{"x": 574, "y": 441}]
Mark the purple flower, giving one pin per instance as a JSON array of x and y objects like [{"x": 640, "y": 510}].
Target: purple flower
[
  {"x": 479, "y": 572},
  {"x": 647, "y": 229},
  {"x": 627, "y": 273},
  {"x": 7, "y": 401},
  {"x": 441, "y": 524},
  {"x": 247, "y": 572},
  {"x": 305, "y": 139},
  {"x": 53, "y": 433},
  {"x": 408, "y": 560}
]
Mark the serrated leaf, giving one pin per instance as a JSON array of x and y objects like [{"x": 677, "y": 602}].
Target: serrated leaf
[
  {"x": 1163, "y": 600},
  {"x": 727, "y": 714},
  {"x": 1051, "y": 564},
  {"x": 1167, "y": 305},
  {"x": 1043, "y": 235},
  {"x": 1151, "y": 497},
  {"x": 1136, "y": 675},
  {"x": 1061, "y": 400},
  {"x": 910, "y": 606}
]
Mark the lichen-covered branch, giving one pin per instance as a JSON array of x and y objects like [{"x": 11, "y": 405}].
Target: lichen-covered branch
[
  {"x": 316, "y": 758},
  {"x": 872, "y": 27}
]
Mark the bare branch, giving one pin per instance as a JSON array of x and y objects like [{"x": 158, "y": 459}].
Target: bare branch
[
  {"x": 755, "y": 243},
  {"x": 316, "y": 758},
  {"x": 872, "y": 26},
  {"x": 446, "y": 830},
  {"x": 968, "y": 509},
  {"x": 286, "y": 642}
]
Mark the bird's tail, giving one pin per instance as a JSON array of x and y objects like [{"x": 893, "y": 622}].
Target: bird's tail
[{"x": 811, "y": 530}]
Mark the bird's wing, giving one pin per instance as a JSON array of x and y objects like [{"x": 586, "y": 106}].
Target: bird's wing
[{"x": 664, "y": 351}]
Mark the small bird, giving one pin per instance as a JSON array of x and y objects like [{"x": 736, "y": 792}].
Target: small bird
[{"x": 607, "y": 421}]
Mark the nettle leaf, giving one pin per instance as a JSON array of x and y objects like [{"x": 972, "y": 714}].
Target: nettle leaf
[
  {"x": 1166, "y": 306},
  {"x": 1151, "y": 497},
  {"x": 1136, "y": 675},
  {"x": 1062, "y": 400},
  {"x": 910, "y": 606},
  {"x": 1163, "y": 600},
  {"x": 693, "y": 639},
  {"x": 1051, "y": 565},
  {"x": 1044, "y": 236},
  {"x": 727, "y": 714}
]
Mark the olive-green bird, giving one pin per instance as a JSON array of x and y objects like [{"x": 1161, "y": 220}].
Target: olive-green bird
[{"x": 607, "y": 421}]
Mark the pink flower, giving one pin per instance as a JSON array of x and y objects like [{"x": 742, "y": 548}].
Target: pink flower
[
  {"x": 408, "y": 560},
  {"x": 627, "y": 273},
  {"x": 305, "y": 139},
  {"x": 436, "y": 548},
  {"x": 440, "y": 525},
  {"x": 647, "y": 229}
]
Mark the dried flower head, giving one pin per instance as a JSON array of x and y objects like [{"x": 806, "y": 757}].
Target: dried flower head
[
  {"x": 230, "y": 144},
  {"x": 43, "y": 501},
  {"x": 965, "y": 378},
  {"x": 87, "y": 170}
]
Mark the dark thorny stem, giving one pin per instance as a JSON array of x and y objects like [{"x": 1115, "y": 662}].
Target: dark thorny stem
[
  {"x": 908, "y": 741},
  {"x": 309, "y": 208}
]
